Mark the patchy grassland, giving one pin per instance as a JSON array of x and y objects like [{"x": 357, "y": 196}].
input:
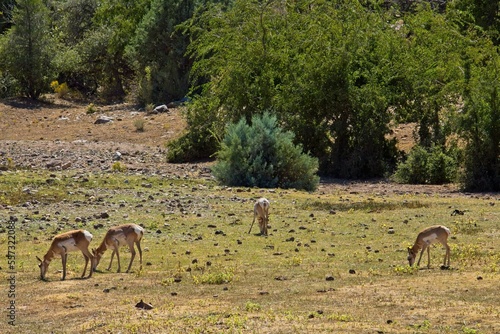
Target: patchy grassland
[{"x": 334, "y": 262}]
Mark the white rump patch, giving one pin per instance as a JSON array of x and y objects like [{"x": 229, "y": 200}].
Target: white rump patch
[
  {"x": 430, "y": 238},
  {"x": 88, "y": 235},
  {"x": 138, "y": 230},
  {"x": 69, "y": 244}
]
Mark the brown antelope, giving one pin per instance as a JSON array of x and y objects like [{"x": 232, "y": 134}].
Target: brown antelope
[
  {"x": 261, "y": 212},
  {"x": 64, "y": 243},
  {"x": 116, "y": 237},
  {"x": 425, "y": 238}
]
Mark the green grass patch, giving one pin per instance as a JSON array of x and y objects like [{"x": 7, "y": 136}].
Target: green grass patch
[{"x": 203, "y": 272}]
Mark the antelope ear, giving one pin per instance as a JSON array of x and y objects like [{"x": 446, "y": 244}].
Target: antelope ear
[{"x": 38, "y": 259}]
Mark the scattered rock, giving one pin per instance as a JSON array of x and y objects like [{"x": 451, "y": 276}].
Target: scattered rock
[
  {"x": 144, "y": 306},
  {"x": 161, "y": 108},
  {"x": 103, "y": 120}
]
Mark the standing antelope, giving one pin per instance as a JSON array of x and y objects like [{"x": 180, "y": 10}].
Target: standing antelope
[
  {"x": 427, "y": 237},
  {"x": 64, "y": 243},
  {"x": 261, "y": 212},
  {"x": 117, "y": 236}
]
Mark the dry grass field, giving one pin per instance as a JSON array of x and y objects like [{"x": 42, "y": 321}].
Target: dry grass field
[{"x": 334, "y": 261}]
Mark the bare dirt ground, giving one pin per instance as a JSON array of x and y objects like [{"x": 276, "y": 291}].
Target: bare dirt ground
[{"x": 57, "y": 134}]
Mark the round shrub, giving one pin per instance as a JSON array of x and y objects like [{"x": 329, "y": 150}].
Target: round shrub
[
  {"x": 433, "y": 166},
  {"x": 262, "y": 155}
]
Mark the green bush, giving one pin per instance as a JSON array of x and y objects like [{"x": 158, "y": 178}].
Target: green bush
[
  {"x": 8, "y": 85},
  {"x": 262, "y": 155},
  {"x": 433, "y": 166},
  {"x": 139, "y": 125}
]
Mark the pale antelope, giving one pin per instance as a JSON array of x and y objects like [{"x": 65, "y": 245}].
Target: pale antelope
[
  {"x": 116, "y": 237},
  {"x": 261, "y": 212},
  {"x": 425, "y": 238},
  {"x": 64, "y": 243}
]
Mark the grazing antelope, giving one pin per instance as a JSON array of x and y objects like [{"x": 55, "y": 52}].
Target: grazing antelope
[
  {"x": 425, "y": 238},
  {"x": 64, "y": 243},
  {"x": 261, "y": 212},
  {"x": 116, "y": 237}
]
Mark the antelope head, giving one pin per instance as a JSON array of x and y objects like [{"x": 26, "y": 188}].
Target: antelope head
[
  {"x": 43, "y": 265},
  {"x": 97, "y": 258},
  {"x": 411, "y": 256}
]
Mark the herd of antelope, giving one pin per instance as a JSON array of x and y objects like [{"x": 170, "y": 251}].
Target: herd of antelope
[
  {"x": 130, "y": 234},
  {"x": 62, "y": 244}
]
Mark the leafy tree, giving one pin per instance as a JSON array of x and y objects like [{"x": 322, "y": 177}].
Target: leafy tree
[
  {"x": 157, "y": 51},
  {"x": 101, "y": 53},
  {"x": 480, "y": 119},
  {"x": 483, "y": 13},
  {"x": 6, "y": 7},
  {"x": 262, "y": 155},
  {"x": 27, "y": 49},
  {"x": 432, "y": 63},
  {"x": 73, "y": 25},
  {"x": 332, "y": 90}
]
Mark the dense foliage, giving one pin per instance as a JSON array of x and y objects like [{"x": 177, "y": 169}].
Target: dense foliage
[
  {"x": 338, "y": 74},
  {"x": 262, "y": 155},
  {"x": 26, "y": 51}
]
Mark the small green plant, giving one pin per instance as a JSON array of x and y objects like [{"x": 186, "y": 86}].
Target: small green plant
[
  {"x": 468, "y": 226},
  {"x": 251, "y": 307},
  {"x": 467, "y": 254},
  {"x": 294, "y": 261},
  {"x": 118, "y": 167},
  {"x": 425, "y": 325},
  {"x": 91, "y": 109},
  {"x": 8, "y": 165},
  {"x": 340, "y": 317},
  {"x": 223, "y": 276},
  {"x": 402, "y": 270},
  {"x": 139, "y": 125},
  {"x": 61, "y": 90},
  {"x": 150, "y": 107}
]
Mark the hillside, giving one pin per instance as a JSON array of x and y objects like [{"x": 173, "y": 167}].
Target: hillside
[{"x": 59, "y": 133}]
